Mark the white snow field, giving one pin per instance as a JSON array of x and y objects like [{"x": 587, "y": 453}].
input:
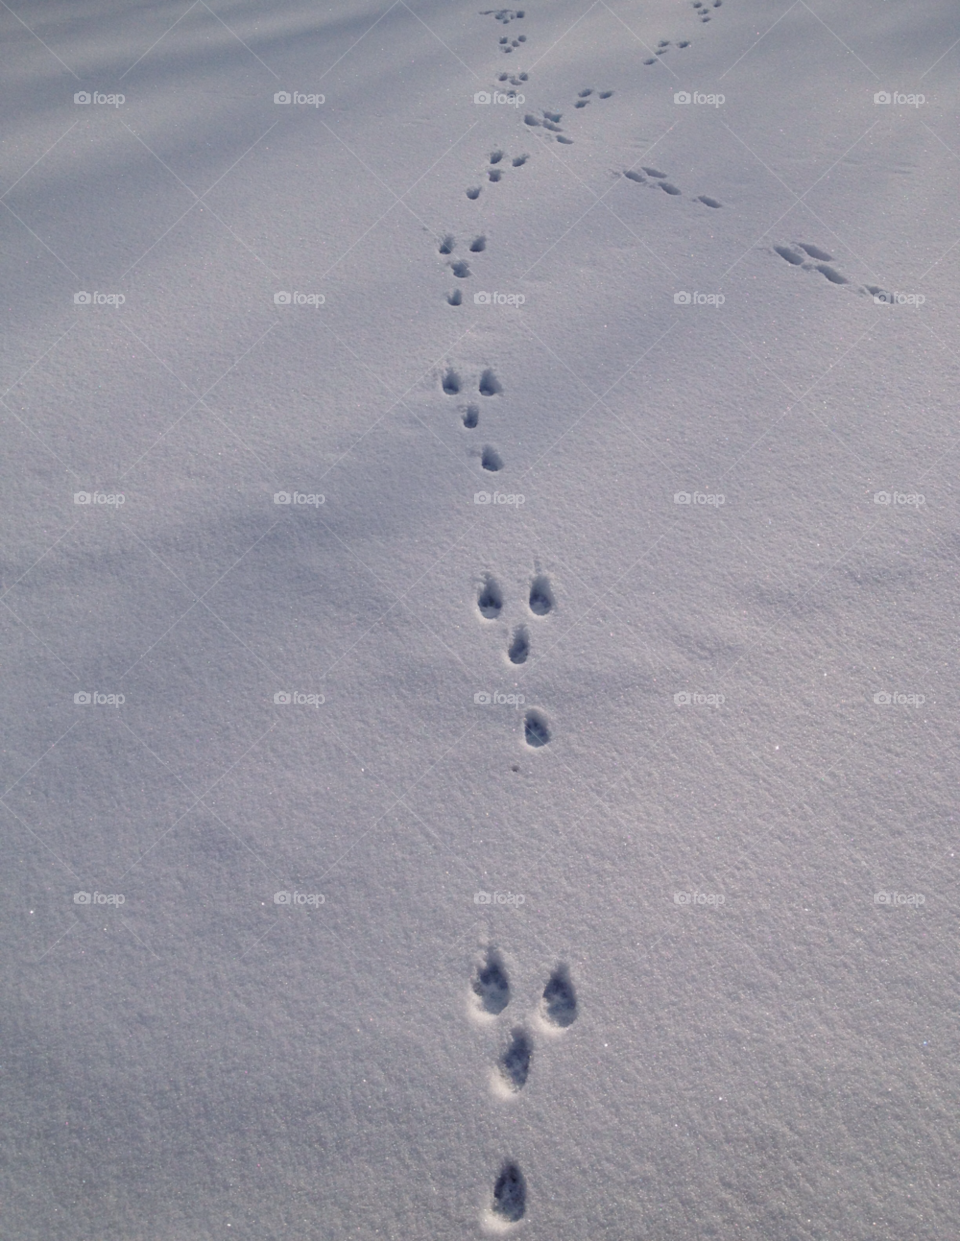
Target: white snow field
[{"x": 545, "y": 823}]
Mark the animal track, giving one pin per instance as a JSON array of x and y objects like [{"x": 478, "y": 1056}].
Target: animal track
[
  {"x": 471, "y": 416},
  {"x": 559, "y": 1003},
  {"x": 658, "y": 178},
  {"x": 490, "y": 599},
  {"x": 514, "y": 1063},
  {"x": 491, "y": 987},
  {"x": 510, "y": 1194},
  {"x": 541, "y": 596},
  {"x": 489, "y": 384},
  {"x": 519, "y": 647},
  {"x": 795, "y": 256},
  {"x": 495, "y": 171},
  {"x": 451, "y": 383},
  {"x": 455, "y": 298},
  {"x": 491, "y": 460},
  {"x": 536, "y": 731}
]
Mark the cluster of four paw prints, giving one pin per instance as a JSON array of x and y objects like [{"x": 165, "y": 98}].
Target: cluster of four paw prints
[
  {"x": 557, "y": 1012},
  {"x": 536, "y": 730}
]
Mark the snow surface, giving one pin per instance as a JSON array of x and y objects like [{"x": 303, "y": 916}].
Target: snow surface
[{"x": 201, "y": 1062}]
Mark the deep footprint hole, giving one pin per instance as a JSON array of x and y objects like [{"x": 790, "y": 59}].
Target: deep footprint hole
[
  {"x": 489, "y": 384},
  {"x": 536, "y": 731},
  {"x": 451, "y": 383},
  {"x": 490, "y": 984},
  {"x": 510, "y": 1194},
  {"x": 471, "y": 416},
  {"x": 559, "y": 1005},
  {"x": 515, "y": 1061},
  {"x": 519, "y": 647},
  {"x": 541, "y": 595},
  {"x": 491, "y": 460},
  {"x": 490, "y": 599}
]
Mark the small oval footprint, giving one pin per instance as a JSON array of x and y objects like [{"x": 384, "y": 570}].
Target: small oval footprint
[
  {"x": 514, "y": 1064},
  {"x": 536, "y": 730},
  {"x": 541, "y": 596},
  {"x": 509, "y": 1195},
  {"x": 559, "y": 1005},
  {"x": 519, "y": 647},
  {"x": 490, "y": 599},
  {"x": 491, "y": 986}
]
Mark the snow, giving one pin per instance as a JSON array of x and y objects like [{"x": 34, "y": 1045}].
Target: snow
[{"x": 726, "y": 473}]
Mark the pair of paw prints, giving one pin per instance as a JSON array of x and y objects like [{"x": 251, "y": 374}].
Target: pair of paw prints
[
  {"x": 550, "y": 121},
  {"x": 557, "y": 1012},
  {"x": 460, "y": 267},
  {"x": 496, "y": 169},
  {"x": 663, "y": 47},
  {"x": 653, "y": 177},
  {"x": 797, "y": 255}
]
